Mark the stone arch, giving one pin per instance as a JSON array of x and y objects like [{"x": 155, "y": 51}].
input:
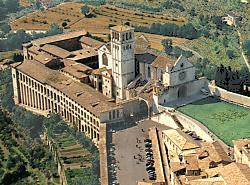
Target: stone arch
[
  {"x": 104, "y": 59},
  {"x": 182, "y": 91}
]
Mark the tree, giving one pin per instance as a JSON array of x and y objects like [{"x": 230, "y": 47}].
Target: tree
[
  {"x": 85, "y": 10},
  {"x": 167, "y": 44},
  {"x": 230, "y": 54},
  {"x": 5, "y": 28},
  {"x": 246, "y": 47},
  {"x": 12, "y": 5},
  {"x": 54, "y": 29},
  {"x": 15, "y": 40},
  {"x": 64, "y": 24}
]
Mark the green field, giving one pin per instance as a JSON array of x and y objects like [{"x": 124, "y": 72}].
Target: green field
[{"x": 226, "y": 120}]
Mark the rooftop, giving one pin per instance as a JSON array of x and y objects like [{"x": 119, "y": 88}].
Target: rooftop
[
  {"x": 240, "y": 143},
  {"x": 81, "y": 93},
  {"x": 122, "y": 28},
  {"x": 91, "y": 42},
  {"x": 56, "y": 51},
  {"x": 83, "y": 53},
  {"x": 76, "y": 69},
  {"x": 163, "y": 61},
  {"x": 59, "y": 37},
  {"x": 208, "y": 181},
  {"x": 236, "y": 174},
  {"x": 43, "y": 58},
  {"x": 147, "y": 57},
  {"x": 181, "y": 140}
]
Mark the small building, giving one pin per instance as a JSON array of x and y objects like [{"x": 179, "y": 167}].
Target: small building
[
  {"x": 231, "y": 19},
  {"x": 179, "y": 143},
  {"x": 242, "y": 151}
]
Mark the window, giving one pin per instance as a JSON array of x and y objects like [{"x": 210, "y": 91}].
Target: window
[
  {"x": 104, "y": 59},
  {"x": 109, "y": 115},
  {"x": 113, "y": 114},
  {"x": 149, "y": 72},
  {"x": 117, "y": 113},
  {"x": 130, "y": 35}
]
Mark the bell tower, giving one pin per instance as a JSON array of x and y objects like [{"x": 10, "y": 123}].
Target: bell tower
[{"x": 123, "y": 58}]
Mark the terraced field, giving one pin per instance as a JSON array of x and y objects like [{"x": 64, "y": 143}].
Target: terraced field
[{"x": 75, "y": 159}]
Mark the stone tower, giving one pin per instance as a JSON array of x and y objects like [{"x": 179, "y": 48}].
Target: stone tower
[{"x": 123, "y": 58}]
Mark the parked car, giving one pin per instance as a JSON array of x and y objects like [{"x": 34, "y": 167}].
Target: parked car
[
  {"x": 148, "y": 150},
  {"x": 148, "y": 140},
  {"x": 150, "y": 168},
  {"x": 148, "y": 145}
]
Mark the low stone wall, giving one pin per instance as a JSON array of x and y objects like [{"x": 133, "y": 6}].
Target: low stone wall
[
  {"x": 165, "y": 119},
  {"x": 103, "y": 155},
  {"x": 229, "y": 96},
  {"x": 193, "y": 125}
]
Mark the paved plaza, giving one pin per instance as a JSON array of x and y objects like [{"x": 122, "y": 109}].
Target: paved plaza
[{"x": 130, "y": 152}]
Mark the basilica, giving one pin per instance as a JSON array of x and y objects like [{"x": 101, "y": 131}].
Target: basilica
[{"x": 90, "y": 83}]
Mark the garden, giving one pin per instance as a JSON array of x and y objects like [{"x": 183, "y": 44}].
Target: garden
[{"x": 226, "y": 120}]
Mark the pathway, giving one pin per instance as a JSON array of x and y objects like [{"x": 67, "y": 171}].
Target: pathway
[
  {"x": 241, "y": 50},
  {"x": 188, "y": 49}
]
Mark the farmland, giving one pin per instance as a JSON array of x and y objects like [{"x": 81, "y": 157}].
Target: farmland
[
  {"x": 105, "y": 15},
  {"x": 98, "y": 25},
  {"x": 226, "y": 120}
]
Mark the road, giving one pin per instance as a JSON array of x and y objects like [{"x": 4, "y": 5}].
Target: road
[{"x": 241, "y": 50}]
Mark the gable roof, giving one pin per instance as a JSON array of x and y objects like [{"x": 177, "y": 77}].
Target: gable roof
[
  {"x": 91, "y": 42},
  {"x": 180, "y": 139},
  {"x": 59, "y": 37},
  {"x": 147, "y": 57},
  {"x": 236, "y": 174},
  {"x": 55, "y": 50},
  {"x": 163, "y": 61}
]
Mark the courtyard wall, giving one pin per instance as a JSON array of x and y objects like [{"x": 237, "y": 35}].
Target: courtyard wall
[{"x": 229, "y": 96}]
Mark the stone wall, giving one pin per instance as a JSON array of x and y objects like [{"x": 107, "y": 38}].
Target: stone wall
[
  {"x": 165, "y": 119},
  {"x": 229, "y": 96},
  {"x": 193, "y": 125},
  {"x": 103, "y": 155}
]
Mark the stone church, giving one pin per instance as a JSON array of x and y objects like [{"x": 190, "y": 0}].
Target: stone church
[{"x": 136, "y": 70}]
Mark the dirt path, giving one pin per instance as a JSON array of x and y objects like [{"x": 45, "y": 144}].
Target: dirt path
[{"x": 241, "y": 50}]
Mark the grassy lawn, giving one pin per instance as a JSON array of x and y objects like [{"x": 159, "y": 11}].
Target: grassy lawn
[{"x": 226, "y": 120}]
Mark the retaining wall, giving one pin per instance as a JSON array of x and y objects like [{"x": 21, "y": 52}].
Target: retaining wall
[{"x": 229, "y": 96}]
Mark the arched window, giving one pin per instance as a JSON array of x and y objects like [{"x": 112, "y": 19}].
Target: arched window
[{"x": 104, "y": 59}]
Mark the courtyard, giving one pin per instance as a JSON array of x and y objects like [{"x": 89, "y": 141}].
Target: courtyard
[{"x": 226, "y": 120}]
